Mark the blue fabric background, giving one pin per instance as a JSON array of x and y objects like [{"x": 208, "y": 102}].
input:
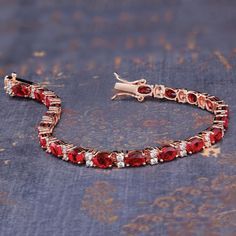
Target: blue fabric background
[{"x": 73, "y": 47}]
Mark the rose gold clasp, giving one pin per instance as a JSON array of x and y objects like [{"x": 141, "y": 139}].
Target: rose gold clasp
[
  {"x": 13, "y": 77},
  {"x": 137, "y": 89}
]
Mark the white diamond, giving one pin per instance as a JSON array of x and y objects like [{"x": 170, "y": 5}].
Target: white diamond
[
  {"x": 207, "y": 138},
  {"x": 182, "y": 146},
  {"x": 183, "y": 153},
  {"x": 120, "y": 157},
  {"x": 32, "y": 92},
  {"x": 47, "y": 145},
  {"x": 65, "y": 158},
  {"x": 120, "y": 164},
  {"x": 64, "y": 151},
  {"x": 153, "y": 153},
  {"x": 88, "y": 156},
  {"x": 153, "y": 161},
  {"x": 89, "y": 163}
]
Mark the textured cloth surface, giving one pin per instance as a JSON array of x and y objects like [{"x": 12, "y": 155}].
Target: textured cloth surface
[{"x": 73, "y": 47}]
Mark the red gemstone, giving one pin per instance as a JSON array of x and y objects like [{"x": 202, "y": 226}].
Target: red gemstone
[
  {"x": 102, "y": 160},
  {"x": 168, "y": 153},
  {"x": 47, "y": 101},
  {"x": 226, "y": 123},
  {"x": 217, "y": 135},
  {"x": 135, "y": 159},
  {"x": 202, "y": 101},
  {"x": 39, "y": 96},
  {"x": 192, "y": 98},
  {"x": 76, "y": 156},
  {"x": 21, "y": 90},
  {"x": 212, "y": 139},
  {"x": 194, "y": 145},
  {"x": 209, "y": 104},
  {"x": 144, "y": 89},
  {"x": 43, "y": 142},
  {"x": 56, "y": 149},
  {"x": 170, "y": 93}
]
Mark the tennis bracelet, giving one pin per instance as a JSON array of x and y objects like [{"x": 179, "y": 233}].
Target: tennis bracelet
[{"x": 138, "y": 89}]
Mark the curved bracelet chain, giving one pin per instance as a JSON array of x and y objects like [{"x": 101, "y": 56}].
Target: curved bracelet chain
[{"x": 139, "y": 89}]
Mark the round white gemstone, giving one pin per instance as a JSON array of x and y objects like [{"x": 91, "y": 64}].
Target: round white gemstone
[
  {"x": 153, "y": 153},
  {"x": 64, "y": 151},
  {"x": 153, "y": 161},
  {"x": 183, "y": 153},
  {"x": 120, "y": 157},
  {"x": 32, "y": 92},
  {"x": 207, "y": 140},
  {"x": 120, "y": 164},
  {"x": 182, "y": 146},
  {"x": 89, "y": 163},
  {"x": 88, "y": 156},
  {"x": 65, "y": 158}
]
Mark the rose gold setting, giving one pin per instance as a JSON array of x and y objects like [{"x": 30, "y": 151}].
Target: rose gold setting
[
  {"x": 202, "y": 101},
  {"x": 158, "y": 91},
  {"x": 138, "y": 89},
  {"x": 182, "y": 95}
]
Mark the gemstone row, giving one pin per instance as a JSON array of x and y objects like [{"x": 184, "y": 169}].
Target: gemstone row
[{"x": 133, "y": 158}]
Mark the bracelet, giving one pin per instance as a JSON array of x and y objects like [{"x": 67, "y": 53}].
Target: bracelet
[{"x": 138, "y": 89}]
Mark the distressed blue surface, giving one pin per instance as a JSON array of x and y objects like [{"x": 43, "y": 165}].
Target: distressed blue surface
[{"x": 73, "y": 47}]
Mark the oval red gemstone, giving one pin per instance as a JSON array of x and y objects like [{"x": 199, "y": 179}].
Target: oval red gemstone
[
  {"x": 217, "y": 135},
  {"x": 135, "y": 159},
  {"x": 192, "y": 98},
  {"x": 39, "y": 96},
  {"x": 209, "y": 104},
  {"x": 201, "y": 101},
  {"x": 226, "y": 123},
  {"x": 102, "y": 160},
  {"x": 170, "y": 93},
  {"x": 212, "y": 139},
  {"x": 168, "y": 153},
  {"x": 48, "y": 100},
  {"x": 56, "y": 149},
  {"x": 144, "y": 89},
  {"x": 194, "y": 145},
  {"x": 76, "y": 156},
  {"x": 21, "y": 90},
  {"x": 42, "y": 141}
]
